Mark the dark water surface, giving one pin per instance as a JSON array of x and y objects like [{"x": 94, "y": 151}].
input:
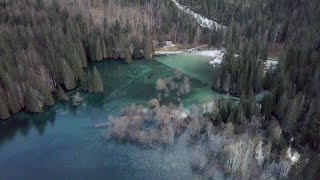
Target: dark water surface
[{"x": 63, "y": 144}]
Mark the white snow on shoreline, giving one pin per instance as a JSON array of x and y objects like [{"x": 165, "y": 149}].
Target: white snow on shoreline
[
  {"x": 216, "y": 56},
  {"x": 211, "y": 53},
  {"x": 202, "y": 21},
  {"x": 167, "y": 52},
  {"x": 208, "y": 53}
]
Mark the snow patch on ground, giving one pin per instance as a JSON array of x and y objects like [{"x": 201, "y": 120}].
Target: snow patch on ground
[
  {"x": 168, "y": 52},
  {"x": 216, "y": 56},
  {"x": 293, "y": 156},
  {"x": 272, "y": 63},
  {"x": 215, "y": 62},
  {"x": 216, "y": 53},
  {"x": 202, "y": 21}
]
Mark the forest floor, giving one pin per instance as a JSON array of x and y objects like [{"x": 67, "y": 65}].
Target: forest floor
[{"x": 274, "y": 51}]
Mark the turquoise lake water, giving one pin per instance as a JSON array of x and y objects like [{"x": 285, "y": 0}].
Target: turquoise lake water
[{"x": 63, "y": 144}]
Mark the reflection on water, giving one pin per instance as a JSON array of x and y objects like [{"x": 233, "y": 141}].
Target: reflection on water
[
  {"x": 62, "y": 144},
  {"x": 23, "y": 123}
]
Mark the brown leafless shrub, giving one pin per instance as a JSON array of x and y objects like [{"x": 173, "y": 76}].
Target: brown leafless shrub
[
  {"x": 243, "y": 156},
  {"x": 186, "y": 84},
  {"x": 155, "y": 125},
  {"x": 162, "y": 84},
  {"x": 76, "y": 99},
  {"x": 179, "y": 85},
  {"x": 154, "y": 103}
]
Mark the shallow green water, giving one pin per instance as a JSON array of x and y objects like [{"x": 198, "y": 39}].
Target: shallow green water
[
  {"x": 62, "y": 144},
  {"x": 192, "y": 65}
]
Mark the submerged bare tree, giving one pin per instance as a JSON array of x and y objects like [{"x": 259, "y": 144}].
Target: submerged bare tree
[
  {"x": 76, "y": 99},
  {"x": 153, "y": 125},
  {"x": 176, "y": 86}
]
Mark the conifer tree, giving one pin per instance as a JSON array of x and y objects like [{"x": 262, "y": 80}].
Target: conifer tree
[
  {"x": 98, "y": 50},
  {"x": 4, "y": 111},
  {"x": 13, "y": 102},
  {"x": 46, "y": 93},
  {"x": 267, "y": 106},
  {"x": 96, "y": 84},
  {"x": 68, "y": 77},
  {"x": 104, "y": 50},
  {"x": 84, "y": 82},
  {"x": 137, "y": 47},
  {"x": 91, "y": 47},
  {"x": 147, "y": 44},
  {"x": 61, "y": 94},
  {"x": 48, "y": 99},
  {"x": 258, "y": 78},
  {"x": 32, "y": 102},
  {"x": 226, "y": 83},
  {"x": 128, "y": 53},
  {"x": 82, "y": 55}
]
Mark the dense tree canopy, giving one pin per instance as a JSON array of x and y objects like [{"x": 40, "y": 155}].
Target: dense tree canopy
[
  {"x": 44, "y": 45},
  {"x": 256, "y": 31}
]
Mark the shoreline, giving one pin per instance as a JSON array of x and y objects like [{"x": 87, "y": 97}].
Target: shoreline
[{"x": 166, "y": 53}]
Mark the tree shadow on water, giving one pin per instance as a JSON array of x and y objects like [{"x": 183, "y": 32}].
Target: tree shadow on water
[{"x": 23, "y": 124}]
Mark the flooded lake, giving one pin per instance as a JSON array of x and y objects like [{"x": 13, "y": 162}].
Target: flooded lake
[{"x": 62, "y": 143}]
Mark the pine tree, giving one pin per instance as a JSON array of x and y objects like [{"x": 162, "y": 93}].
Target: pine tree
[
  {"x": 264, "y": 51},
  {"x": 92, "y": 51},
  {"x": 45, "y": 92},
  {"x": 137, "y": 48},
  {"x": 82, "y": 55},
  {"x": 98, "y": 50},
  {"x": 4, "y": 111},
  {"x": 32, "y": 102},
  {"x": 117, "y": 30},
  {"x": 214, "y": 38},
  {"x": 104, "y": 50},
  {"x": 267, "y": 106},
  {"x": 61, "y": 94},
  {"x": 68, "y": 77},
  {"x": 128, "y": 28},
  {"x": 128, "y": 53},
  {"x": 84, "y": 82},
  {"x": 147, "y": 44},
  {"x": 96, "y": 84},
  {"x": 226, "y": 83},
  {"x": 48, "y": 99},
  {"x": 258, "y": 78},
  {"x": 293, "y": 113}
]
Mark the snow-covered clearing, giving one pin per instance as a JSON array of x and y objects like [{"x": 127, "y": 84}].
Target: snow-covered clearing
[
  {"x": 272, "y": 63},
  {"x": 203, "y": 21}
]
